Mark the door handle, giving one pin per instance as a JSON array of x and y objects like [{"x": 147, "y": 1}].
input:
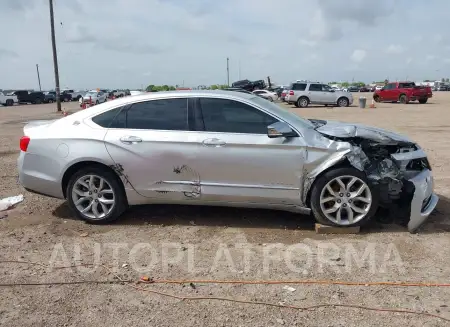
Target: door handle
[
  {"x": 130, "y": 139},
  {"x": 214, "y": 142}
]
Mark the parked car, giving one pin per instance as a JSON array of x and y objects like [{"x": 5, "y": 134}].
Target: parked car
[
  {"x": 249, "y": 85},
  {"x": 353, "y": 88},
  {"x": 339, "y": 172},
  {"x": 33, "y": 97},
  {"x": 116, "y": 93},
  {"x": 50, "y": 97},
  {"x": 236, "y": 89},
  {"x": 378, "y": 87},
  {"x": 75, "y": 95},
  {"x": 271, "y": 96},
  {"x": 284, "y": 94},
  {"x": 96, "y": 97},
  {"x": 443, "y": 87},
  {"x": 403, "y": 92},
  {"x": 8, "y": 100},
  {"x": 364, "y": 89},
  {"x": 305, "y": 93}
]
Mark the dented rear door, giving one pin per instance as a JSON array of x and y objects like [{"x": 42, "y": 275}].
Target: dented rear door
[{"x": 152, "y": 146}]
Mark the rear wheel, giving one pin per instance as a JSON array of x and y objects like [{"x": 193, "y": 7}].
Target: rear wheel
[
  {"x": 422, "y": 101},
  {"x": 302, "y": 102},
  {"x": 342, "y": 197},
  {"x": 95, "y": 195},
  {"x": 9, "y": 102},
  {"x": 38, "y": 101}
]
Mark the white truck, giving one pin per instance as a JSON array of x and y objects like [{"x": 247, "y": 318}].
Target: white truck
[
  {"x": 8, "y": 100},
  {"x": 117, "y": 93}
]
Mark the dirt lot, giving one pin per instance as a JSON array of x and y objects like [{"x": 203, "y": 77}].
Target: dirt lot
[{"x": 223, "y": 244}]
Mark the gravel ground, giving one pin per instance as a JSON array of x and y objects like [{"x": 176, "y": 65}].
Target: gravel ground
[{"x": 196, "y": 243}]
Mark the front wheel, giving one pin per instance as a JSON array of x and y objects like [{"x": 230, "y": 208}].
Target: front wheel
[
  {"x": 403, "y": 99},
  {"x": 95, "y": 195},
  {"x": 376, "y": 98},
  {"x": 423, "y": 101},
  {"x": 343, "y": 102},
  {"x": 9, "y": 102},
  {"x": 342, "y": 197}
]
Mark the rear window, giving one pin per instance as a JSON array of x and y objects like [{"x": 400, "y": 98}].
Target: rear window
[
  {"x": 298, "y": 86},
  {"x": 406, "y": 85},
  {"x": 105, "y": 119}
]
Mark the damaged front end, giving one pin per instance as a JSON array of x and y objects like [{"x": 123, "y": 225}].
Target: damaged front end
[{"x": 395, "y": 166}]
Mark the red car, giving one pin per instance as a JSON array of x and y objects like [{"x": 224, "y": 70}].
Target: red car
[{"x": 403, "y": 92}]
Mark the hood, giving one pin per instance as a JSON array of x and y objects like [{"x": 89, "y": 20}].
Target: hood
[{"x": 350, "y": 130}]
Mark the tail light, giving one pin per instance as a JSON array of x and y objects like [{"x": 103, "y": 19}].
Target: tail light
[
  {"x": 24, "y": 141},
  {"x": 291, "y": 92}
]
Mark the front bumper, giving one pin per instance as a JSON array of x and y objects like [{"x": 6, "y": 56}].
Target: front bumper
[{"x": 424, "y": 200}]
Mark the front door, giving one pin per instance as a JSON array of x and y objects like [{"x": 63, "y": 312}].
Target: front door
[
  {"x": 151, "y": 143},
  {"x": 238, "y": 162}
]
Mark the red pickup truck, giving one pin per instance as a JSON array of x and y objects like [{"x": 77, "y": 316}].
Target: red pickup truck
[{"x": 403, "y": 92}]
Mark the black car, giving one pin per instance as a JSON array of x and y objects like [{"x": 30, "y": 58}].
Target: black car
[
  {"x": 236, "y": 89},
  {"x": 353, "y": 89},
  {"x": 50, "y": 97},
  {"x": 364, "y": 89},
  {"x": 249, "y": 85},
  {"x": 29, "y": 96}
]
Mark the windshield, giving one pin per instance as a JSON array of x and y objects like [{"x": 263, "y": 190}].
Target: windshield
[
  {"x": 280, "y": 111},
  {"x": 91, "y": 94}
]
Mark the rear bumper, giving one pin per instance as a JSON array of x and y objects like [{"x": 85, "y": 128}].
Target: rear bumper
[
  {"x": 36, "y": 174},
  {"x": 424, "y": 200}
]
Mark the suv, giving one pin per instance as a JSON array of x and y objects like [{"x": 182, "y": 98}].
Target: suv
[
  {"x": 303, "y": 94},
  {"x": 29, "y": 97},
  {"x": 249, "y": 85}
]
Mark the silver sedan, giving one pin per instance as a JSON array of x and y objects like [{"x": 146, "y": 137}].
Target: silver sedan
[{"x": 223, "y": 148}]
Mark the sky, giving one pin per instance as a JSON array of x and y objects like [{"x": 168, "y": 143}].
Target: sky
[{"x": 134, "y": 43}]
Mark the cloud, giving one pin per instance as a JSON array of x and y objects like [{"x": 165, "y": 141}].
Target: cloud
[
  {"x": 5, "y": 53},
  {"x": 116, "y": 43},
  {"x": 394, "y": 49},
  {"x": 358, "y": 55}
]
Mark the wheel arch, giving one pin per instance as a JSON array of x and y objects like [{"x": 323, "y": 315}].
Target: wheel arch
[
  {"x": 343, "y": 97},
  {"x": 340, "y": 164},
  {"x": 83, "y": 164}
]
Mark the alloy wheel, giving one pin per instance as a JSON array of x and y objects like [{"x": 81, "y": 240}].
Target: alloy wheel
[
  {"x": 93, "y": 196},
  {"x": 345, "y": 200}
]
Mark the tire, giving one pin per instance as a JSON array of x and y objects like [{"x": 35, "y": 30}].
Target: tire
[
  {"x": 9, "y": 102},
  {"x": 96, "y": 102},
  {"x": 38, "y": 101},
  {"x": 110, "y": 202},
  {"x": 270, "y": 99},
  {"x": 343, "y": 102},
  {"x": 403, "y": 99},
  {"x": 302, "y": 102},
  {"x": 423, "y": 101},
  {"x": 50, "y": 101},
  {"x": 376, "y": 98},
  {"x": 346, "y": 203}
]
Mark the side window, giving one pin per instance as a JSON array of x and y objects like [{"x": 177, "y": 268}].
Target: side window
[
  {"x": 229, "y": 116},
  {"x": 326, "y": 88},
  {"x": 258, "y": 92},
  {"x": 315, "y": 87},
  {"x": 106, "y": 118},
  {"x": 299, "y": 86},
  {"x": 390, "y": 86},
  {"x": 164, "y": 114}
]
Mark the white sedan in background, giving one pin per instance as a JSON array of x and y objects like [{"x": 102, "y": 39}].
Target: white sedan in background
[
  {"x": 271, "y": 96},
  {"x": 96, "y": 97}
]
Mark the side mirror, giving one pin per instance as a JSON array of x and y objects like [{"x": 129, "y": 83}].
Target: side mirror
[{"x": 280, "y": 129}]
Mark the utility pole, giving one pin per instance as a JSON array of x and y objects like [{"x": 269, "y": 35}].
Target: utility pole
[
  {"x": 55, "y": 57},
  {"x": 39, "y": 79},
  {"x": 228, "y": 72},
  {"x": 239, "y": 69}
]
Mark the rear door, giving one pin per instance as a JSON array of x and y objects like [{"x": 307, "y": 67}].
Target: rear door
[
  {"x": 329, "y": 95},
  {"x": 238, "y": 162},
  {"x": 152, "y": 142}
]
